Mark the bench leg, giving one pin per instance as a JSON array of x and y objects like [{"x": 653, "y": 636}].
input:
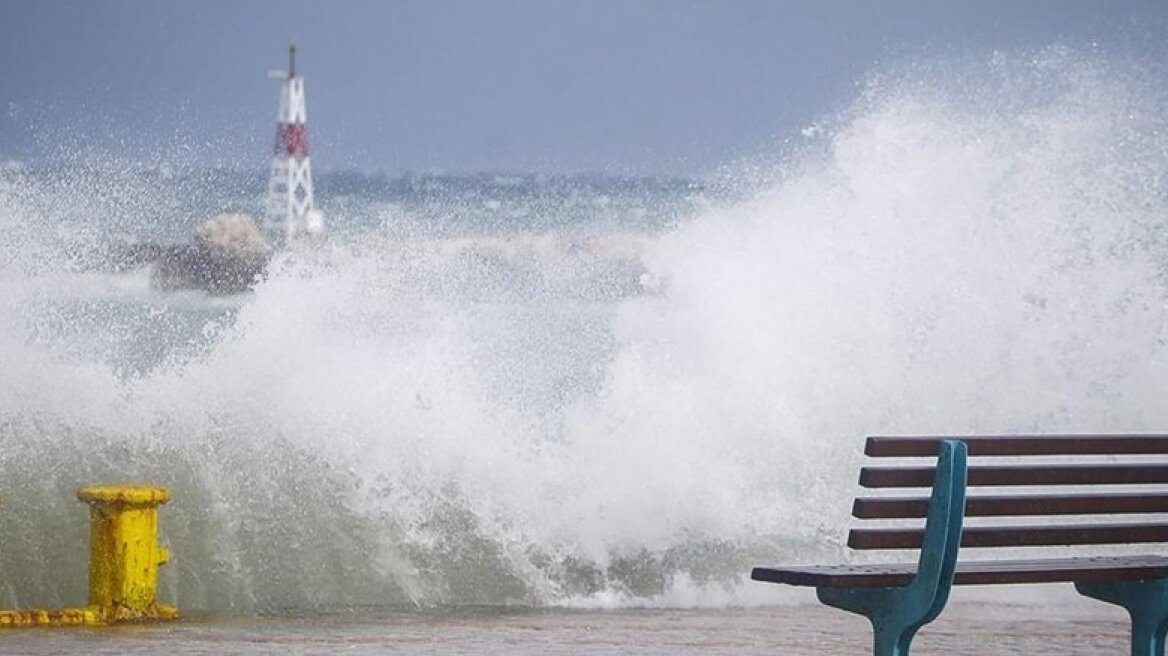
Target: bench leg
[
  {"x": 1147, "y": 604},
  {"x": 895, "y": 620}
]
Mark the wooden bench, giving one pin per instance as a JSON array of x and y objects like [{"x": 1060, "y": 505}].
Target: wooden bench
[{"x": 1085, "y": 508}]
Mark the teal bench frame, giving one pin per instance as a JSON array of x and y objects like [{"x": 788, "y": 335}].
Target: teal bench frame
[{"x": 898, "y": 612}]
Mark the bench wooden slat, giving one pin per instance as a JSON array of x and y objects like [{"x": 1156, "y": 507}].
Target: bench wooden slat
[
  {"x": 974, "y": 572},
  {"x": 1022, "y": 445},
  {"x": 1016, "y": 506},
  {"x": 1015, "y": 536},
  {"x": 1007, "y": 475}
]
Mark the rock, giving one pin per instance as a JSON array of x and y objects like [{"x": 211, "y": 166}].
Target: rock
[{"x": 228, "y": 256}]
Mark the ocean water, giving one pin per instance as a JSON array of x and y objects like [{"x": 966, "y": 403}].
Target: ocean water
[{"x": 570, "y": 397}]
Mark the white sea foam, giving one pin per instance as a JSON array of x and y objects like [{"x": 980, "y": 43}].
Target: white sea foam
[{"x": 972, "y": 246}]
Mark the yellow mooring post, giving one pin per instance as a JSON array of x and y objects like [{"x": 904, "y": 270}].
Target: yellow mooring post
[
  {"x": 124, "y": 557},
  {"x": 124, "y": 554}
]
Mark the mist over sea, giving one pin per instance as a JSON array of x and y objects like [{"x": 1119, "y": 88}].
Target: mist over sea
[{"x": 584, "y": 391}]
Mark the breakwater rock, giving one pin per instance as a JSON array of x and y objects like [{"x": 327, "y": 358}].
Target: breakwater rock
[{"x": 228, "y": 255}]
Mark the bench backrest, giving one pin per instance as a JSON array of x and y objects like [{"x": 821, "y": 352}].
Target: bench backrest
[{"x": 1078, "y": 465}]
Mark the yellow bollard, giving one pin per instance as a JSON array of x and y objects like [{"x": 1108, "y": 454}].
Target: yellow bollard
[{"x": 124, "y": 554}]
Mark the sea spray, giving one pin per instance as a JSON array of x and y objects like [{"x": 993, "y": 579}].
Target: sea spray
[{"x": 624, "y": 416}]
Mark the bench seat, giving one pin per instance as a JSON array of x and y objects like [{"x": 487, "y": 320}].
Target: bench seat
[{"x": 974, "y": 572}]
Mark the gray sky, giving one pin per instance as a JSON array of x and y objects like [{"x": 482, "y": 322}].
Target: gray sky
[{"x": 501, "y": 85}]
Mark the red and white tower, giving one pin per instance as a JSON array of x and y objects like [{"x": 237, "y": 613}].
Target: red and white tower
[{"x": 290, "y": 185}]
